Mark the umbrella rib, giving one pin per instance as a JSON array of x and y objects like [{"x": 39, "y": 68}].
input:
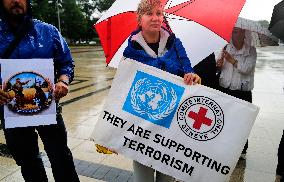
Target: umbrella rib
[
  {"x": 170, "y": 3},
  {"x": 197, "y": 23},
  {"x": 191, "y": 1},
  {"x": 178, "y": 18},
  {"x": 114, "y": 16}
]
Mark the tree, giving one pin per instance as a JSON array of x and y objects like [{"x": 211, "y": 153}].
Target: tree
[
  {"x": 102, "y": 5},
  {"x": 75, "y": 17},
  {"x": 87, "y": 7},
  {"x": 73, "y": 21},
  {"x": 45, "y": 10}
]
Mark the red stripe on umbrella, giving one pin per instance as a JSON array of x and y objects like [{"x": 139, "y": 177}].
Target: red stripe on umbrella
[
  {"x": 206, "y": 14},
  {"x": 114, "y": 31}
]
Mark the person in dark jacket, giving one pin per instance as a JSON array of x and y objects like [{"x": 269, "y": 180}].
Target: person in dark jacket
[
  {"x": 155, "y": 46},
  {"x": 207, "y": 69},
  {"x": 40, "y": 41}
]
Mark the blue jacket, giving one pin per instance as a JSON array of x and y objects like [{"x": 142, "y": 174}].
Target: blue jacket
[
  {"x": 42, "y": 41},
  {"x": 174, "y": 61}
]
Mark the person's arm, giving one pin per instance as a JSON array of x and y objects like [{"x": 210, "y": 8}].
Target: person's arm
[
  {"x": 63, "y": 61},
  {"x": 220, "y": 60},
  {"x": 24, "y": 83},
  {"x": 247, "y": 67},
  {"x": 61, "y": 87},
  {"x": 189, "y": 77},
  {"x": 63, "y": 65},
  {"x": 183, "y": 57}
]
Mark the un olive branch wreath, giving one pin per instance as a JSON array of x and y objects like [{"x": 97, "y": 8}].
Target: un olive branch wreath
[{"x": 159, "y": 116}]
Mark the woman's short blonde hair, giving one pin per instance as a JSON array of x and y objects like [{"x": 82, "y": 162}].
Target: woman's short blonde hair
[{"x": 145, "y": 6}]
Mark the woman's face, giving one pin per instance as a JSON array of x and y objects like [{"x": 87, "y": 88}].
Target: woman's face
[
  {"x": 238, "y": 35},
  {"x": 152, "y": 20}
]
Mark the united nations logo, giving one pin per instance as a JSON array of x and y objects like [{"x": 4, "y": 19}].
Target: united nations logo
[
  {"x": 153, "y": 99},
  {"x": 200, "y": 118}
]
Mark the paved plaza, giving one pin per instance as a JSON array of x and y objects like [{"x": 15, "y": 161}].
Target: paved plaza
[{"x": 86, "y": 98}]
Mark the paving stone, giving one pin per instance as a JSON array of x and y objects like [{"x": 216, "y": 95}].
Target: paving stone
[
  {"x": 124, "y": 176},
  {"x": 101, "y": 172},
  {"x": 91, "y": 169}
]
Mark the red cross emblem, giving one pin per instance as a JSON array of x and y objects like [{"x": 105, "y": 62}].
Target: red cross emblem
[{"x": 200, "y": 118}]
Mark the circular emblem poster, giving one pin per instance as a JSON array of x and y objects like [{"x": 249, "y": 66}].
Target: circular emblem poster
[{"x": 31, "y": 93}]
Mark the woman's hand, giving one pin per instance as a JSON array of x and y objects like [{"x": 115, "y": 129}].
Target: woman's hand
[
  {"x": 219, "y": 63},
  {"x": 191, "y": 78},
  {"x": 229, "y": 58},
  {"x": 227, "y": 55}
]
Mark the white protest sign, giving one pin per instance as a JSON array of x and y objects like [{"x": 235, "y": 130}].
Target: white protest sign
[
  {"x": 193, "y": 133},
  {"x": 30, "y": 82}
]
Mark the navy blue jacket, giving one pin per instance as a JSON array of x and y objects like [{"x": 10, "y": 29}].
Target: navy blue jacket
[{"x": 42, "y": 41}]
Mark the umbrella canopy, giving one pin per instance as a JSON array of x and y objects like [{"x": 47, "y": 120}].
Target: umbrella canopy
[
  {"x": 203, "y": 26},
  {"x": 260, "y": 36},
  {"x": 277, "y": 21}
]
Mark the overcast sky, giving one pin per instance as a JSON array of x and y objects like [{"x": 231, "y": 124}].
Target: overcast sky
[{"x": 258, "y": 9}]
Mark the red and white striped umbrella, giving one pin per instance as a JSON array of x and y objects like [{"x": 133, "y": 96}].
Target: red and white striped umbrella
[{"x": 203, "y": 26}]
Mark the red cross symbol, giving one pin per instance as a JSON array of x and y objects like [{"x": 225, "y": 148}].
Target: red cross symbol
[{"x": 200, "y": 118}]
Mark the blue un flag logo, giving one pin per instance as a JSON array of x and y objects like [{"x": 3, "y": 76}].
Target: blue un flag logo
[{"x": 153, "y": 99}]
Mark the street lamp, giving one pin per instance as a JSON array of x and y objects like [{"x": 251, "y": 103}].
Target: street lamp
[
  {"x": 58, "y": 15},
  {"x": 58, "y": 4}
]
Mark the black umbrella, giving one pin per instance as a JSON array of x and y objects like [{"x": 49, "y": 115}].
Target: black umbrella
[{"x": 277, "y": 21}]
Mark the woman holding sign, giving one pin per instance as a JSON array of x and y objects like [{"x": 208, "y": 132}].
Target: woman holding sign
[{"x": 153, "y": 45}]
